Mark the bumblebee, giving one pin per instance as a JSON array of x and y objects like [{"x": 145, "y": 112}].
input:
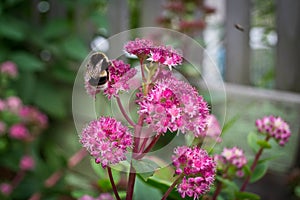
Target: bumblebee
[{"x": 97, "y": 73}]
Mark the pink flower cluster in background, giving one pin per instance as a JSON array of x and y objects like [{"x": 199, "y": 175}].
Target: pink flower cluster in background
[
  {"x": 107, "y": 140},
  {"x": 28, "y": 118},
  {"x": 198, "y": 169},
  {"x": 232, "y": 157},
  {"x": 274, "y": 127},
  {"x": 174, "y": 105},
  {"x": 9, "y": 68}
]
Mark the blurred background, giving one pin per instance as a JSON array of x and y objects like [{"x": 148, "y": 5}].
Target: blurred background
[{"x": 254, "y": 44}]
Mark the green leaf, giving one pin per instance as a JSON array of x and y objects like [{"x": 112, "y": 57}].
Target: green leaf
[
  {"x": 145, "y": 167},
  {"x": 98, "y": 169},
  {"x": 55, "y": 29},
  {"x": 230, "y": 123},
  {"x": 104, "y": 184},
  {"x": 64, "y": 74},
  {"x": 232, "y": 185},
  {"x": 264, "y": 144},
  {"x": 12, "y": 29},
  {"x": 297, "y": 190},
  {"x": 27, "y": 62},
  {"x": 75, "y": 48},
  {"x": 259, "y": 171},
  {"x": 49, "y": 99},
  {"x": 144, "y": 191},
  {"x": 252, "y": 141},
  {"x": 26, "y": 85},
  {"x": 246, "y": 196}
]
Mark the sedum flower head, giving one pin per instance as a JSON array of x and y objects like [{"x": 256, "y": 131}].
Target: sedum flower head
[
  {"x": 274, "y": 127},
  {"x": 174, "y": 105},
  {"x": 6, "y": 189},
  {"x": 19, "y": 131},
  {"x": 27, "y": 163},
  {"x": 232, "y": 157},
  {"x": 213, "y": 129},
  {"x": 9, "y": 68},
  {"x": 120, "y": 73},
  {"x": 107, "y": 140},
  {"x": 32, "y": 115},
  {"x": 144, "y": 48},
  {"x": 139, "y": 47},
  {"x": 198, "y": 169},
  {"x": 103, "y": 196},
  {"x": 119, "y": 76}
]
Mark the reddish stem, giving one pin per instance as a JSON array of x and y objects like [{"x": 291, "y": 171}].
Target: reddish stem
[
  {"x": 111, "y": 178},
  {"x": 131, "y": 181},
  {"x": 171, "y": 187},
  {"x": 219, "y": 185},
  {"x": 257, "y": 156},
  {"x": 124, "y": 113},
  {"x": 76, "y": 158},
  {"x": 150, "y": 146}
]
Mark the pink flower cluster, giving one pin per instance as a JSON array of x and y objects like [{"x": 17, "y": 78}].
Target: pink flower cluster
[
  {"x": 232, "y": 157},
  {"x": 9, "y": 68},
  {"x": 198, "y": 169},
  {"x": 274, "y": 127},
  {"x": 103, "y": 196},
  {"x": 164, "y": 55},
  {"x": 27, "y": 163},
  {"x": 213, "y": 129},
  {"x": 119, "y": 76},
  {"x": 174, "y": 105},
  {"x": 32, "y": 115},
  {"x": 107, "y": 140},
  {"x": 120, "y": 73},
  {"x": 28, "y": 117},
  {"x": 6, "y": 189}
]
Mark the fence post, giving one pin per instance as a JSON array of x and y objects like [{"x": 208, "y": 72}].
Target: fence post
[
  {"x": 288, "y": 46},
  {"x": 237, "y": 26}
]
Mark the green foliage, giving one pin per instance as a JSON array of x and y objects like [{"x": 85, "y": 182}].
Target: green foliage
[
  {"x": 252, "y": 139},
  {"x": 246, "y": 196},
  {"x": 259, "y": 171}
]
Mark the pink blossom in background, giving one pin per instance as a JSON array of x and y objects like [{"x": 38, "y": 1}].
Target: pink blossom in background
[
  {"x": 107, "y": 140},
  {"x": 174, "y": 105},
  {"x": 31, "y": 114},
  {"x": 103, "y": 196},
  {"x": 274, "y": 127},
  {"x": 27, "y": 163},
  {"x": 2, "y": 105},
  {"x": 9, "y": 68},
  {"x": 198, "y": 169},
  {"x": 14, "y": 103},
  {"x": 19, "y": 131},
  {"x": 234, "y": 157},
  {"x": 6, "y": 188},
  {"x": 2, "y": 128},
  {"x": 213, "y": 129}
]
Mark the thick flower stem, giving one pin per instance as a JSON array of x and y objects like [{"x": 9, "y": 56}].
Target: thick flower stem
[
  {"x": 171, "y": 187},
  {"x": 124, "y": 112},
  {"x": 256, "y": 159},
  {"x": 150, "y": 146},
  {"x": 113, "y": 183},
  {"x": 131, "y": 181},
  {"x": 219, "y": 185},
  {"x": 217, "y": 191}
]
